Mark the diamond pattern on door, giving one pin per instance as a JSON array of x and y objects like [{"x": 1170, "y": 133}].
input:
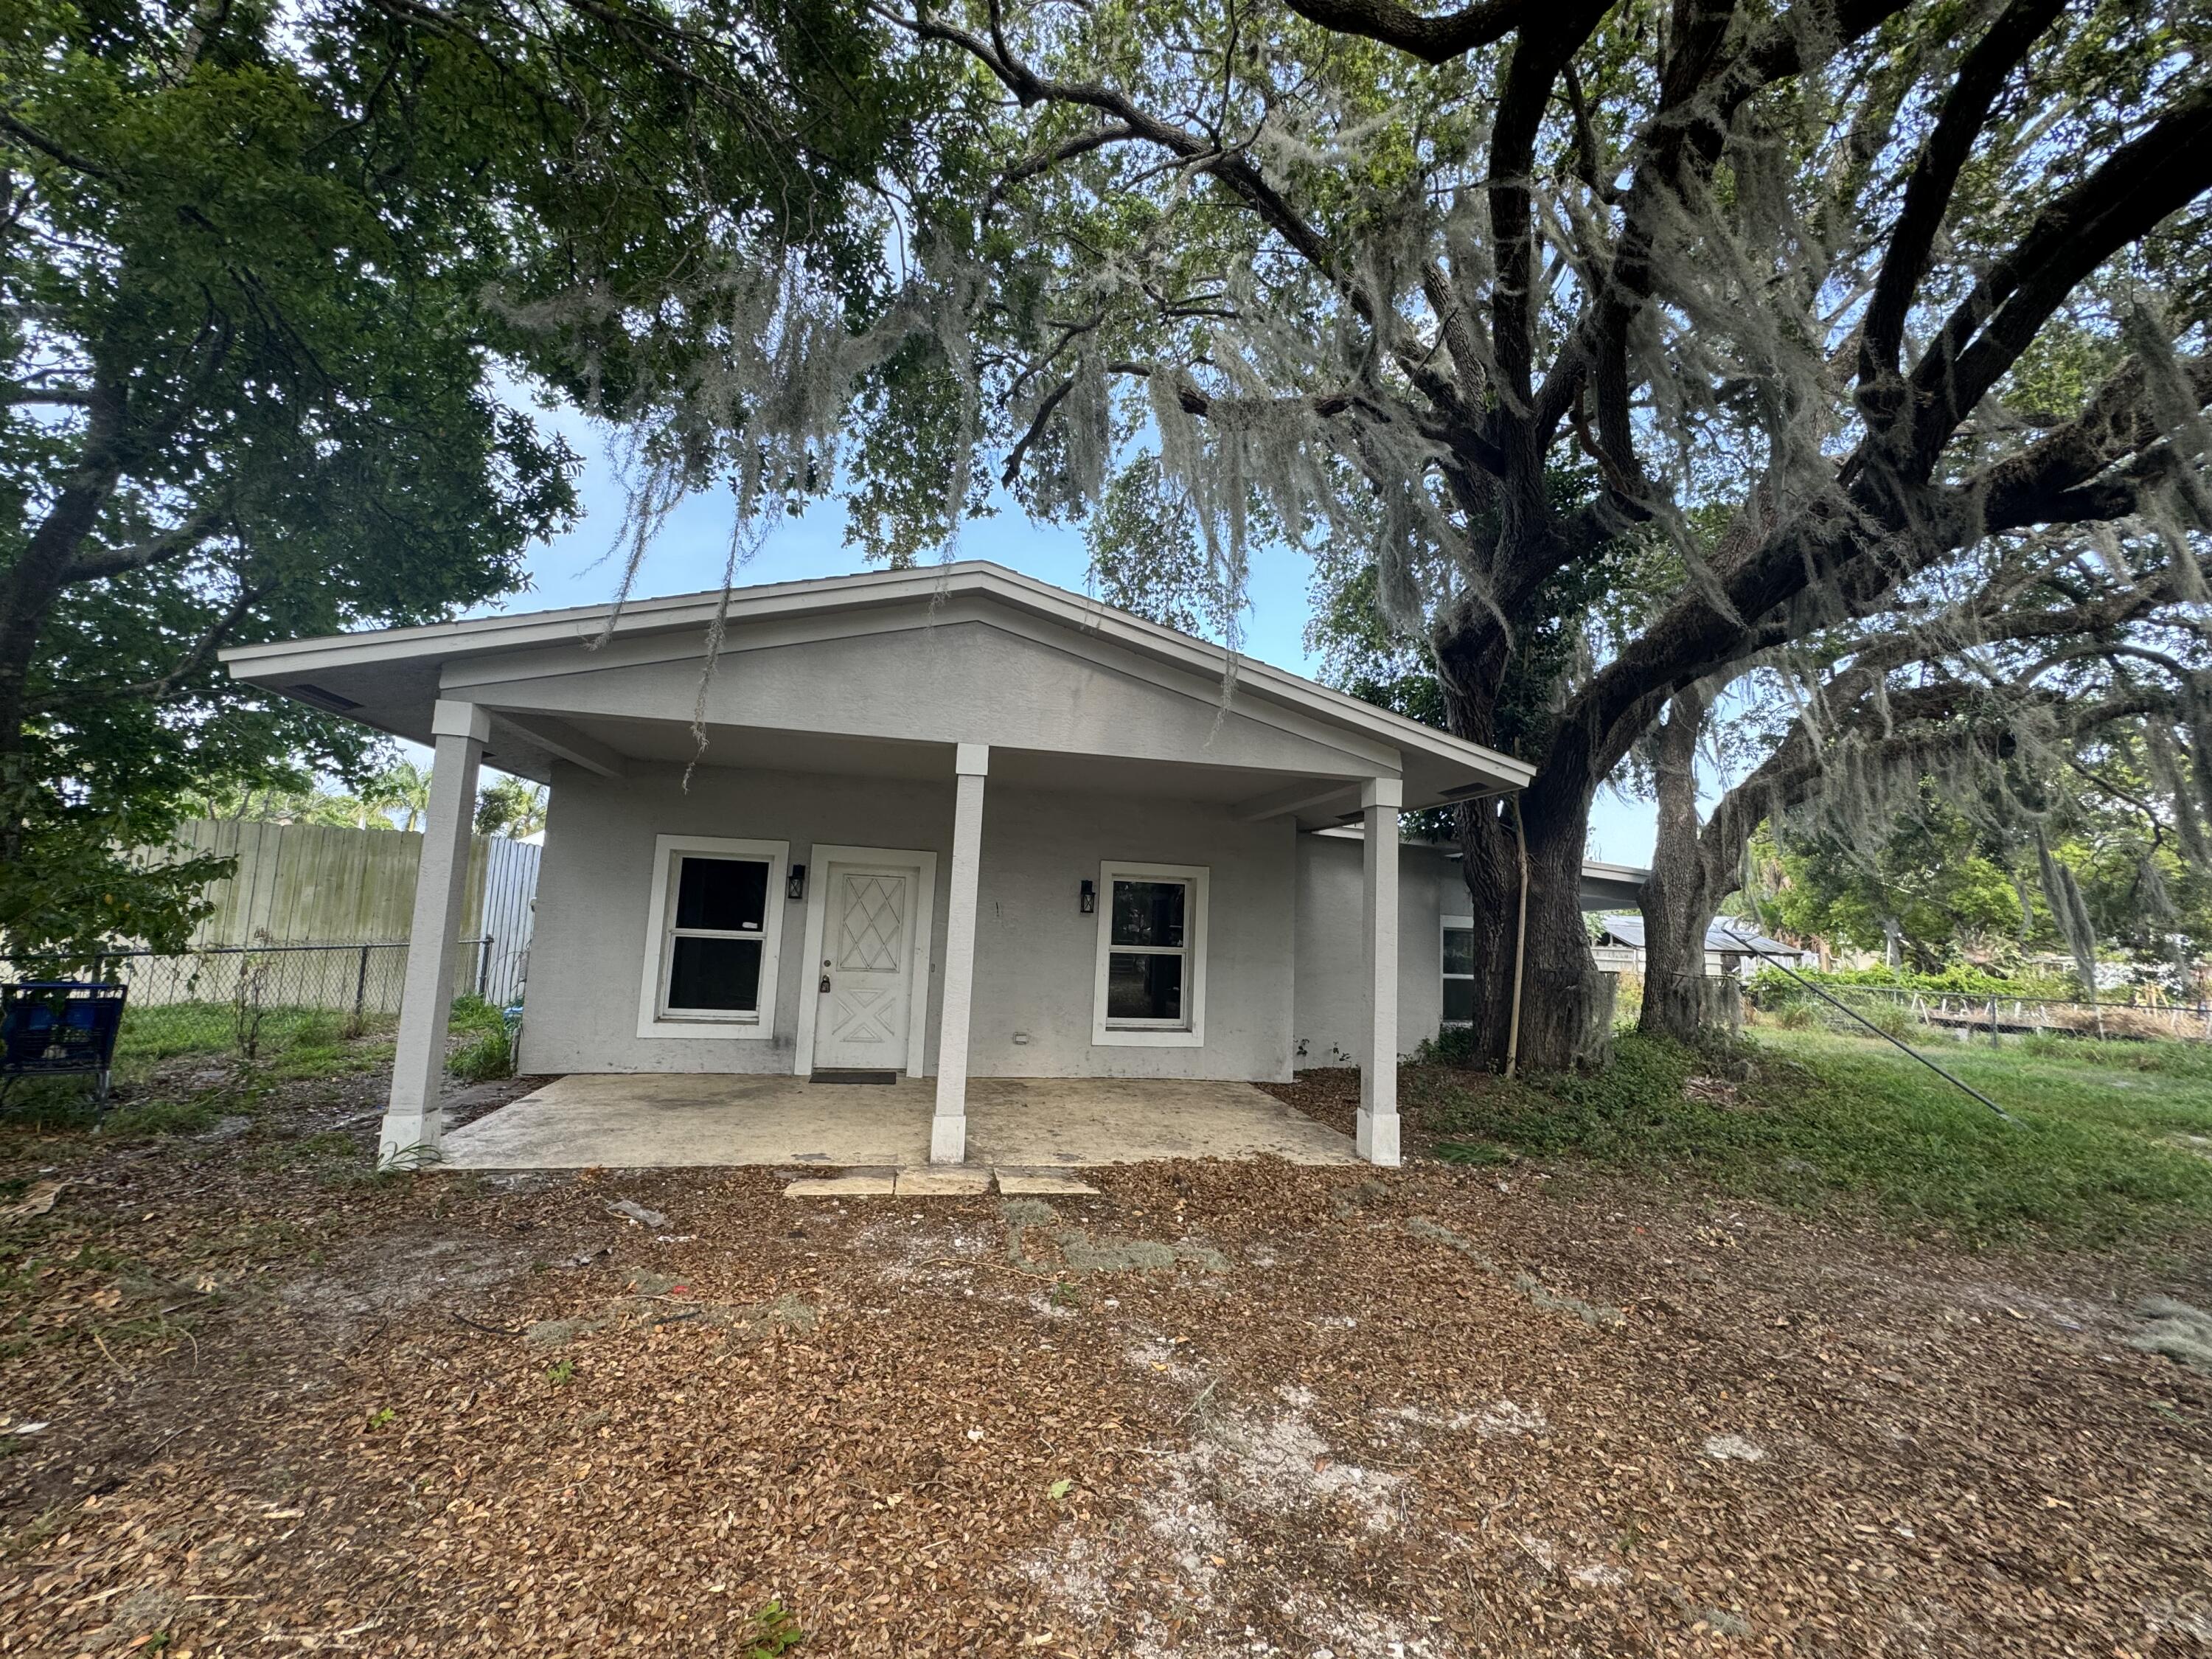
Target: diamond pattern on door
[{"x": 871, "y": 936}]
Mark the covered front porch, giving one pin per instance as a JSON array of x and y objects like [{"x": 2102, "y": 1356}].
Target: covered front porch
[
  {"x": 957, "y": 826},
  {"x": 656, "y": 1120}
]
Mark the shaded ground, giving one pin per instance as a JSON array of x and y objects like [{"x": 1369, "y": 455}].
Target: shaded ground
[{"x": 1218, "y": 1409}]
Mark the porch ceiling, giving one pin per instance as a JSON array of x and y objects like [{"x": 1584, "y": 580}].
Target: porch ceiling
[{"x": 663, "y": 1119}]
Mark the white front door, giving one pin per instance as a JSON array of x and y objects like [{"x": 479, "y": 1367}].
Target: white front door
[{"x": 867, "y": 967}]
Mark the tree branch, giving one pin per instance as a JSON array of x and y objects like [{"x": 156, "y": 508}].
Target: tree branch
[
  {"x": 1431, "y": 39},
  {"x": 2123, "y": 200},
  {"x": 51, "y": 148},
  {"x": 138, "y": 556},
  {"x": 1935, "y": 176}
]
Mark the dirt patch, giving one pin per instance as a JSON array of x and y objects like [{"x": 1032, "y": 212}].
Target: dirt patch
[
  {"x": 1038, "y": 1242},
  {"x": 1215, "y": 1410}
]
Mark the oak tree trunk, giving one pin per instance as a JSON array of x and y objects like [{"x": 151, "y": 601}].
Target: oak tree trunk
[{"x": 1681, "y": 898}]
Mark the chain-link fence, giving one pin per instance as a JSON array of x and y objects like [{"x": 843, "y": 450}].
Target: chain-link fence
[
  {"x": 255, "y": 1000},
  {"x": 1915, "y": 1015}
]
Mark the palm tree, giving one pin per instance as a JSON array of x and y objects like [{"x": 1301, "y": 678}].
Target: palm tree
[{"x": 402, "y": 787}]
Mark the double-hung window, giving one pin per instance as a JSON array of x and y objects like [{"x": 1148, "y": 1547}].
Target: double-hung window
[
  {"x": 1459, "y": 970},
  {"x": 711, "y": 953},
  {"x": 1151, "y": 956}
]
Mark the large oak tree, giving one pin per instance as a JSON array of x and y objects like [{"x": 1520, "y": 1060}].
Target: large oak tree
[{"x": 1747, "y": 307}]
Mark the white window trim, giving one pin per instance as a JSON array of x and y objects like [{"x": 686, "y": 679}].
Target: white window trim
[
  {"x": 1191, "y": 1034},
  {"x": 1446, "y": 925},
  {"x": 659, "y": 941},
  {"x": 820, "y": 857}
]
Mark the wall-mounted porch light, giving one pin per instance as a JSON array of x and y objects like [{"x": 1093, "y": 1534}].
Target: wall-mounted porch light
[
  {"x": 1089, "y": 898},
  {"x": 795, "y": 888}
]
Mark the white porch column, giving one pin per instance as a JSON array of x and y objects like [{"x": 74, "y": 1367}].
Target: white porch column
[
  {"x": 948, "y": 1132},
  {"x": 411, "y": 1121},
  {"x": 1375, "y": 1135}
]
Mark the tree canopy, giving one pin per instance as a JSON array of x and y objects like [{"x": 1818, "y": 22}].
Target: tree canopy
[{"x": 260, "y": 271}]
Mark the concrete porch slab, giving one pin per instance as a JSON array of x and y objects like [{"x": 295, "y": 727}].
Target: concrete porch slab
[
  {"x": 956, "y": 1181},
  {"x": 667, "y": 1119},
  {"x": 843, "y": 1186}
]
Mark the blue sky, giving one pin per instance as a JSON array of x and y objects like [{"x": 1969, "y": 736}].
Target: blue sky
[{"x": 579, "y": 568}]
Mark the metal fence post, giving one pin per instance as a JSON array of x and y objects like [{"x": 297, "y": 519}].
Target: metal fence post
[
  {"x": 360, "y": 989},
  {"x": 1993, "y": 1020},
  {"x": 483, "y": 965}
]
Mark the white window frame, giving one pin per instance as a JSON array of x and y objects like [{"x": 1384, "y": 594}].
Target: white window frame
[
  {"x": 1189, "y": 1032},
  {"x": 653, "y": 1020},
  {"x": 1446, "y": 925}
]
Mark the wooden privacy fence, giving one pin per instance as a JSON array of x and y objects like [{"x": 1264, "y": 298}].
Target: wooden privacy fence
[{"x": 313, "y": 883}]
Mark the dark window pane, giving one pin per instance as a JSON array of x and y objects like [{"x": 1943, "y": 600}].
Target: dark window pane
[
  {"x": 730, "y": 894},
  {"x": 1459, "y": 950},
  {"x": 1148, "y": 912},
  {"x": 1459, "y": 998},
  {"x": 718, "y": 975},
  {"x": 1143, "y": 988}
]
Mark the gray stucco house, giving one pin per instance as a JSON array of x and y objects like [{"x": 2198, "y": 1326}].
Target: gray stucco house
[{"x": 948, "y": 823}]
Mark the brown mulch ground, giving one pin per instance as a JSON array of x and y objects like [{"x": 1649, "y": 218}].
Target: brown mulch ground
[{"x": 1218, "y": 1409}]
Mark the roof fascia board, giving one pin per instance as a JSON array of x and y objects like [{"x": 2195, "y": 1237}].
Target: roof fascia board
[
  {"x": 554, "y": 662},
  {"x": 1093, "y": 617}
]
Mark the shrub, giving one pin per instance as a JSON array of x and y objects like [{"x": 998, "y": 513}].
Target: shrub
[{"x": 1452, "y": 1046}]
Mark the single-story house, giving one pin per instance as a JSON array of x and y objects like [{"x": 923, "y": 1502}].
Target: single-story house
[
  {"x": 1731, "y": 947},
  {"x": 946, "y": 823}
]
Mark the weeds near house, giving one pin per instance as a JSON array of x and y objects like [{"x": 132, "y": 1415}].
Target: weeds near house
[
  {"x": 774, "y": 1631},
  {"x": 488, "y": 1052}
]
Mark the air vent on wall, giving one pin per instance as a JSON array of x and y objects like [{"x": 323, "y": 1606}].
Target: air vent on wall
[{"x": 322, "y": 699}]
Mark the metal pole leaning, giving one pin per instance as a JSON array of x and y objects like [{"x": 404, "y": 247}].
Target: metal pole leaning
[{"x": 1900, "y": 1047}]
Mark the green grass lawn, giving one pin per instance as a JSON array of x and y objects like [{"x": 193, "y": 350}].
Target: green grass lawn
[
  {"x": 180, "y": 1066},
  {"x": 2099, "y": 1154}
]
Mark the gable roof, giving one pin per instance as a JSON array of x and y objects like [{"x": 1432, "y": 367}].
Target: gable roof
[{"x": 389, "y": 678}]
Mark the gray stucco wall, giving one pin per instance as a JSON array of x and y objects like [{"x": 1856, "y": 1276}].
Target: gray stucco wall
[
  {"x": 1035, "y": 952},
  {"x": 1329, "y": 958}
]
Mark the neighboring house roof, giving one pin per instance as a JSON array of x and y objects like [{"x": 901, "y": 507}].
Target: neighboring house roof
[
  {"x": 1719, "y": 936},
  {"x": 1604, "y": 885},
  {"x": 389, "y": 678}
]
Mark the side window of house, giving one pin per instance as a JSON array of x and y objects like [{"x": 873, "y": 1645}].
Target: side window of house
[
  {"x": 717, "y": 932},
  {"x": 1152, "y": 954},
  {"x": 1459, "y": 971}
]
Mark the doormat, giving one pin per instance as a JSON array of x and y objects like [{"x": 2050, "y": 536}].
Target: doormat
[{"x": 853, "y": 1077}]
